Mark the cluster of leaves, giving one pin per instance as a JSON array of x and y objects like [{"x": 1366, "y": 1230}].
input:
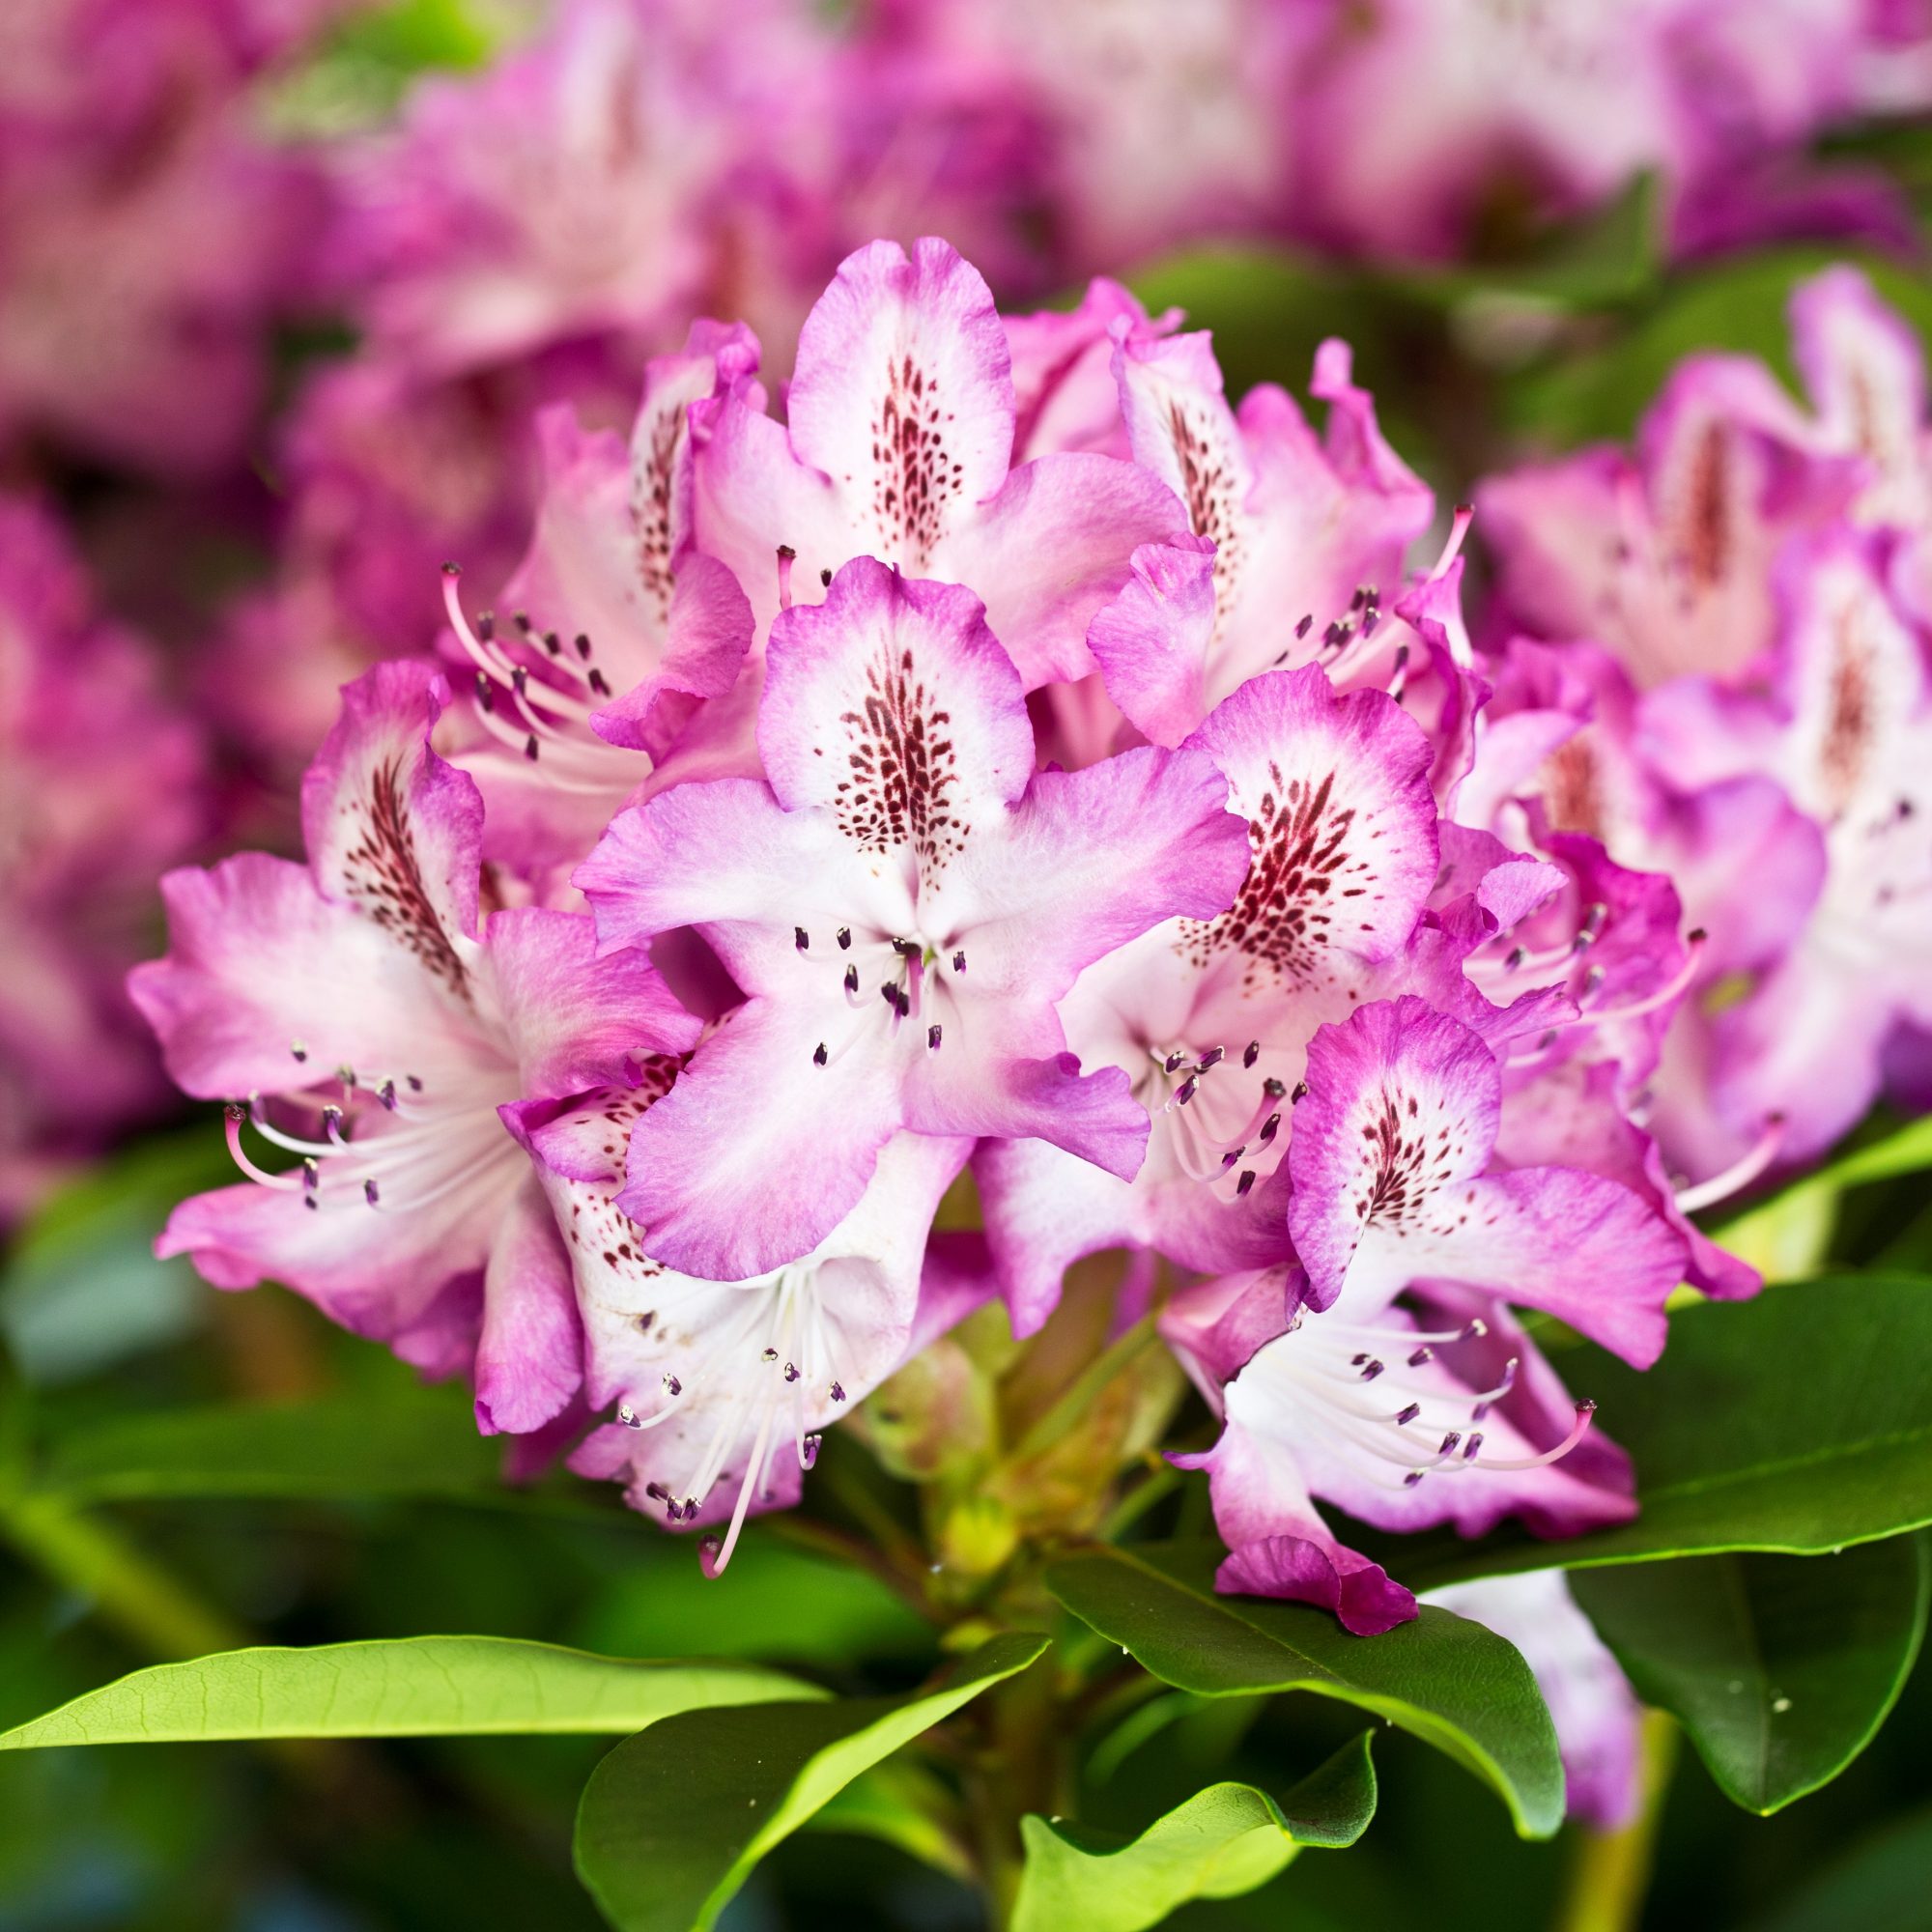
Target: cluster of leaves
[{"x": 1771, "y": 1598}]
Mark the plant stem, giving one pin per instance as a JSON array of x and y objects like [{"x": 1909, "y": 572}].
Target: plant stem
[{"x": 1609, "y": 1871}]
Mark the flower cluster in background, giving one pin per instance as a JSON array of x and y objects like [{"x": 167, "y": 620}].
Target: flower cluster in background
[{"x": 719, "y": 800}]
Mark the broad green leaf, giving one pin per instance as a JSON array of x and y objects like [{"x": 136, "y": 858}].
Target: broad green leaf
[
  {"x": 1454, "y": 1683},
  {"x": 422, "y": 1444},
  {"x": 1779, "y": 1668},
  {"x": 901, "y": 1803},
  {"x": 1799, "y": 1422},
  {"x": 397, "y": 1688},
  {"x": 671, "y": 1823},
  {"x": 1223, "y": 1841}
]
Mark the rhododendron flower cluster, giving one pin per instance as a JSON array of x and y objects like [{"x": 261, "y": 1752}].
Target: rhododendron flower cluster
[
  {"x": 531, "y": 233},
  {"x": 1014, "y": 760},
  {"x": 1750, "y": 712}
]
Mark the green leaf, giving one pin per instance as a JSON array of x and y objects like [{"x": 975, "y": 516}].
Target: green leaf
[
  {"x": 1223, "y": 1841},
  {"x": 1452, "y": 1683},
  {"x": 422, "y": 1444},
  {"x": 671, "y": 1823},
  {"x": 397, "y": 1688},
  {"x": 1800, "y": 1422},
  {"x": 1779, "y": 1668}
]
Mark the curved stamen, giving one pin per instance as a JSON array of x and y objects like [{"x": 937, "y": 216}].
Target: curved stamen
[
  {"x": 1739, "y": 1175},
  {"x": 1585, "y": 1413},
  {"x": 286, "y": 1183}
]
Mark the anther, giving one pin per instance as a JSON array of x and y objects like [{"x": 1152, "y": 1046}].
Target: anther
[
  {"x": 386, "y": 1094},
  {"x": 1246, "y": 1181},
  {"x": 852, "y": 979},
  {"x": 369, "y": 1191},
  {"x": 844, "y": 939},
  {"x": 1449, "y": 1442},
  {"x": 671, "y": 1385},
  {"x": 825, "y": 579},
  {"x": 1269, "y": 1128},
  {"x": 837, "y": 1392},
  {"x": 1421, "y": 1356},
  {"x": 552, "y": 643},
  {"x": 1172, "y": 1061},
  {"x": 582, "y": 643},
  {"x": 530, "y": 747},
  {"x": 297, "y": 1049},
  {"x": 932, "y": 1037},
  {"x": 1407, "y": 1414},
  {"x": 1515, "y": 957},
  {"x": 597, "y": 683},
  {"x": 801, "y": 939},
  {"x": 452, "y": 570},
  {"x": 1213, "y": 1057},
  {"x": 1299, "y": 1094},
  {"x": 811, "y": 1447},
  {"x": 1274, "y": 1089},
  {"x": 1593, "y": 982},
  {"x": 631, "y": 1419},
  {"x": 769, "y": 1356},
  {"x": 1373, "y": 1370},
  {"x": 790, "y": 1371},
  {"x": 787, "y": 557},
  {"x": 1472, "y": 1447},
  {"x": 959, "y": 962},
  {"x": 1474, "y": 1330},
  {"x": 820, "y": 1056},
  {"x": 486, "y": 693},
  {"x": 521, "y": 620},
  {"x": 1187, "y": 1091},
  {"x": 1302, "y": 629},
  {"x": 1230, "y": 1160},
  {"x": 1252, "y": 1053}
]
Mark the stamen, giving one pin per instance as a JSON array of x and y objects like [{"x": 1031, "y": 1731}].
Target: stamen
[
  {"x": 286, "y": 1183},
  {"x": 1585, "y": 1411},
  {"x": 787, "y": 557},
  {"x": 1739, "y": 1175}
]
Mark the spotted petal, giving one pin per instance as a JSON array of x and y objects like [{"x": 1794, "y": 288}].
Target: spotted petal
[{"x": 1390, "y": 1158}]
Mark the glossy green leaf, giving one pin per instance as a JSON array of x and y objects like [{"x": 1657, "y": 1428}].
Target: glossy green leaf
[
  {"x": 1779, "y": 1668},
  {"x": 397, "y": 1688},
  {"x": 1799, "y": 1422},
  {"x": 1452, "y": 1683},
  {"x": 671, "y": 1823},
  {"x": 1223, "y": 1841}
]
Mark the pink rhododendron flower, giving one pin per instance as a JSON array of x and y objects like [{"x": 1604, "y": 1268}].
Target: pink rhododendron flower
[
  {"x": 1440, "y": 1410},
  {"x": 720, "y": 1389},
  {"x": 904, "y": 901},
  {"x": 369, "y": 1014},
  {"x": 1844, "y": 727},
  {"x": 898, "y": 444},
  {"x": 101, "y": 786}
]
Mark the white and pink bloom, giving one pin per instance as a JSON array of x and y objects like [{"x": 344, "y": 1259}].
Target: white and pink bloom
[
  {"x": 720, "y": 1390},
  {"x": 903, "y": 901},
  {"x": 370, "y": 1014}
]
